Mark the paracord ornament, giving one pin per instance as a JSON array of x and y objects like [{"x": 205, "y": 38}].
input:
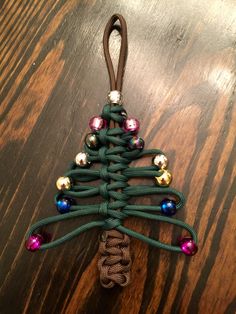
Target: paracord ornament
[{"x": 113, "y": 142}]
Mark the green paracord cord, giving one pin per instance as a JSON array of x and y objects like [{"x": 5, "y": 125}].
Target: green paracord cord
[{"x": 115, "y": 166}]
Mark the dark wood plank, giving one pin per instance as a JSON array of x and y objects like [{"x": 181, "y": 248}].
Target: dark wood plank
[{"x": 180, "y": 83}]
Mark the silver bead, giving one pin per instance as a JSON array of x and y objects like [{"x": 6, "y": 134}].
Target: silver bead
[
  {"x": 115, "y": 97},
  {"x": 81, "y": 160},
  {"x": 160, "y": 161}
]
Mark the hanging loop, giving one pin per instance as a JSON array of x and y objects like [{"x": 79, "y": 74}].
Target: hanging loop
[{"x": 115, "y": 80}]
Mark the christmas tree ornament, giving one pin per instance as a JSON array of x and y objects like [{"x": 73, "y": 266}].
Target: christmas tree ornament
[{"x": 109, "y": 149}]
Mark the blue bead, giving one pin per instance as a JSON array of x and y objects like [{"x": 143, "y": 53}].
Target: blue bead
[
  {"x": 63, "y": 205},
  {"x": 168, "y": 207}
]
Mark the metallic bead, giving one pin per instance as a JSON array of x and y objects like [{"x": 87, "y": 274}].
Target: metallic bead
[
  {"x": 136, "y": 142},
  {"x": 92, "y": 141},
  {"x": 115, "y": 97},
  {"x": 81, "y": 160},
  {"x": 188, "y": 246},
  {"x": 131, "y": 125},
  {"x": 63, "y": 183},
  {"x": 164, "y": 179},
  {"x": 63, "y": 205},
  {"x": 160, "y": 161},
  {"x": 97, "y": 123},
  {"x": 168, "y": 207},
  {"x": 34, "y": 242}
]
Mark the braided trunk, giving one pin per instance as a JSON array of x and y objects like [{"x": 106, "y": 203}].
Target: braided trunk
[{"x": 115, "y": 262}]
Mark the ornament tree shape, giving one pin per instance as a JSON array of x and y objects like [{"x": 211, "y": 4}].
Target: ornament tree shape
[{"x": 114, "y": 148}]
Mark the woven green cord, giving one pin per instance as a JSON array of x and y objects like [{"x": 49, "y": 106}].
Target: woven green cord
[
  {"x": 117, "y": 216},
  {"x": 114, "y": 159}
]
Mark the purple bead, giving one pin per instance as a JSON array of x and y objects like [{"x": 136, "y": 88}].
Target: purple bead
[
  {"x": 188, "y": 246},
  {"x": 97, "y": 123},
  {"x": 34, "y": 242},
  {"x": 136, "y": 142},
  {"x": 131, "y": 125}
]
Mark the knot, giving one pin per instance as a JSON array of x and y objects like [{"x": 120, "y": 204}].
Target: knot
[
  {"x": 102, "y": 155},
  {"x": 103, "y": 209},
  {"x": 118, "y": 114},
  {"x": 104, "y": 174},
  {"x": 103, "y": 191},
  {"x": 111, "y": 223},
  {"x": 115, "y": 113},
  {"x": 102, "y": 135},
  {"x": 106, "y": 114},
  {"x": 115, "y": 260}
]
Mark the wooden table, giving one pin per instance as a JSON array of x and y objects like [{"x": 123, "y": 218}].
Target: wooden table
[{"x": 180, "y": 83}]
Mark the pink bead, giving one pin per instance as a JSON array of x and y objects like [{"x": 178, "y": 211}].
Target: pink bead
[
  {"x": 97, "y": 123},
  {"x": 34, "y": 242},
  {"x": 188, "y": 246},
  {"x": 131, "y": 125}
]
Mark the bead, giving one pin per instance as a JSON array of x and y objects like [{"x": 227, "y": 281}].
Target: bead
[
  {"x": 164, "y": 179},
  {"x": 64, "y": 205},
  {"x": 131, "y": 125},
  {"x": 63, "y": 183},
  {"x": 188, "y": 246},
  {"x": 34, "y": 242},
  {"x": 136, "y": 142},
  {"x": 160, "y": 161},
  {"x": 97, "y": 123},
  {"x": 168, "y": 207},
  {"x": 81, "y": 160},
  {"x": 92, "y": 141},
  {"x": 115, "y": 97}
]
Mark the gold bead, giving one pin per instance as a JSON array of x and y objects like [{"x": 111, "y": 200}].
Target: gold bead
[
  {"x": 81, "y": 159},
  {"x": 160, "y": 161},
  {"x": 164, "y": 179},
  {"x": 63, "y": 183}
]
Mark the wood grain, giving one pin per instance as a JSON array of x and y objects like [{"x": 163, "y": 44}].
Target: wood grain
[{"x": 180, "y": 83}]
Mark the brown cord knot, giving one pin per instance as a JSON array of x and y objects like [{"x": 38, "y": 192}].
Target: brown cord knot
[{"x": 115, "y": 261}]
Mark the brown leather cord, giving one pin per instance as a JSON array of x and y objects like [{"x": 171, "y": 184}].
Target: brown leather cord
[
  {"x": 115, "y": 82},
  {"x": 114, "y": 248}
]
